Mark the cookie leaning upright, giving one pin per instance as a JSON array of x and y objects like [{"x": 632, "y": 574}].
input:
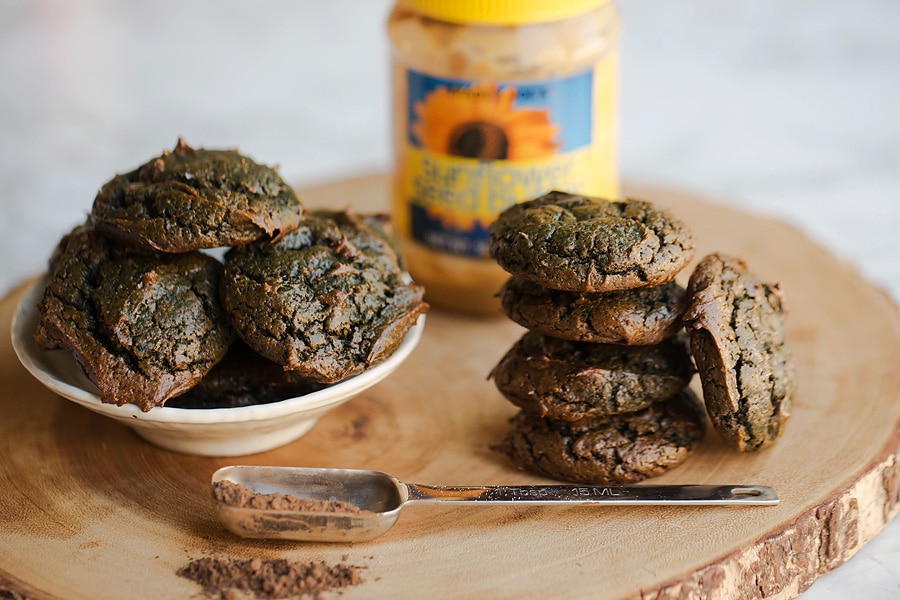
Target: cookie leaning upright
[
  {"x": 189, "y": 199},
  {"x": 579, "y": 243},
  {"x": 328, "y": 300},
  {"x": 736, "y": 325}
]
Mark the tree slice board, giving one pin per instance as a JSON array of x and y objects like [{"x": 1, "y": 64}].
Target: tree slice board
[{"x": 89, "y": 510}]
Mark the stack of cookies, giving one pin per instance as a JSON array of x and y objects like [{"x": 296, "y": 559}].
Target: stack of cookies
[
  {"x": 300, "y": 300},
  {"x": 601, "y": 376}
]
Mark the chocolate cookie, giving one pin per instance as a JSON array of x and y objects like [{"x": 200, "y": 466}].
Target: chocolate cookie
[
  {"x": 565, "y": 380},
  {"x": 328, "y": 300},
  {"x": 736, "y": 325},
  {"x": 189, "y": 199},
  {"x": 382, "y": 225},
  {"x": 621, "y": 449},
  {"x": 640, "y": 316},
  {"x": 578, "y": 243},
  {"x": 143, "y": 325},
  {"x": 244, "y": 378}
]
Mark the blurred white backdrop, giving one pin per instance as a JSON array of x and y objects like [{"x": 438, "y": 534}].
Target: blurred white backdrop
[{"x": 786, "y": 108}]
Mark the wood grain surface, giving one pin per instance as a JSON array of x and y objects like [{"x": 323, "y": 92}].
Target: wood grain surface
[{"x": 89, "y": 510}]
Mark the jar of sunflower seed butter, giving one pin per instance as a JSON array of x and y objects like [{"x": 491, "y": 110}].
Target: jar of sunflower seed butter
[{"x": 494, "y": 102}]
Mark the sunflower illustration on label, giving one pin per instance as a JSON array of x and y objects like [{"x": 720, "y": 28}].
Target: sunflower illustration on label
[
  {"x": 475, "y": 148},
  {"x": 482, "y": 122}
]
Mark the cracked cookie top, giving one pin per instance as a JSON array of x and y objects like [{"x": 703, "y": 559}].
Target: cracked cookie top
[
  {"x": 635, "y": 317},
  {"x": 144, "y": 326},
  {"x": 189, "y": 199},
  {"x": 565, "y": 380},
  {"x": 579, "y": 243},
  {"x": 736, "y": 325},
  {"x": 328, "y": 300}
]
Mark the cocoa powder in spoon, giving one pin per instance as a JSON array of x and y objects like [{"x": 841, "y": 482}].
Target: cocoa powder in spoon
[{"x": 240, "y": 496}]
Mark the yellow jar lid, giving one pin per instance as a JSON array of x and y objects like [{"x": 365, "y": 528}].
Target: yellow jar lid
[{"x": 501, "y": 12}]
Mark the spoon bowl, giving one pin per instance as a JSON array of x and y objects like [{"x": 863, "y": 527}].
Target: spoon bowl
[{"x": 378, "y": 497}]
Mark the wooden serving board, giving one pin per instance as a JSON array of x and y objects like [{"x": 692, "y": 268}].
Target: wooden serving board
[{"x": 89, "y": 510}]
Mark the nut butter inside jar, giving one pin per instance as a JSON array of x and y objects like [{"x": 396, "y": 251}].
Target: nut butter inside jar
[{"x": 494, "y": 102}]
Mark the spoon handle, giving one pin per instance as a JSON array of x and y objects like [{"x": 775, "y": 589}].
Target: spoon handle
[{"x": 596, "y": 494}]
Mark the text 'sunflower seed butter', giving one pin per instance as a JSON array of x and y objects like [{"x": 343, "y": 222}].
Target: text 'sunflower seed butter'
[{"x": 494, "y": 102}]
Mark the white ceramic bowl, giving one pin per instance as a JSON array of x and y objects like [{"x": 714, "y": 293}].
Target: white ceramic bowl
[{"x": 204, "y": 432}]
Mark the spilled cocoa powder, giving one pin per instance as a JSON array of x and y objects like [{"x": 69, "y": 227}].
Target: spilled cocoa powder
[
  {"x": 270, "y": 579},
  {"x": 240, "y": 496}
]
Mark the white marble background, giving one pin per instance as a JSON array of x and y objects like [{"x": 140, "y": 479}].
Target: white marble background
[{"x": 788, "y": 108}]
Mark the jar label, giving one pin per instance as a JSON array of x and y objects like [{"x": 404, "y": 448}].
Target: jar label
[{"x": 475, "y": 148}]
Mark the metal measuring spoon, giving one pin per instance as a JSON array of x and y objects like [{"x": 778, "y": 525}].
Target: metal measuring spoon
[{"x": 377, "y": 498}]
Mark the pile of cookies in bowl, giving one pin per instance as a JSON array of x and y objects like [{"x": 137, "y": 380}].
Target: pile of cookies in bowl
[
  {"x": 303, "y": 306},
  {"x": 602, "y": 374}
]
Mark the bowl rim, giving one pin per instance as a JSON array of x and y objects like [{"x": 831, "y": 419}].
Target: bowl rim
[{"x": 38, "y": 363}]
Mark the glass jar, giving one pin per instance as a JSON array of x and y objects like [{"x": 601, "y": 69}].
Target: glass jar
[{"x": 494, "y": 102}]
